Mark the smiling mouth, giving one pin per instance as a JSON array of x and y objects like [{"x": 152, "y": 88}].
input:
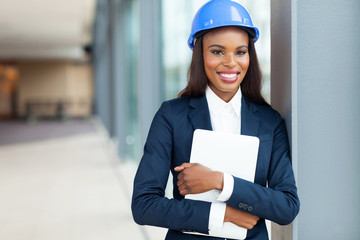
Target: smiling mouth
[{"x": 229, "y": 77}]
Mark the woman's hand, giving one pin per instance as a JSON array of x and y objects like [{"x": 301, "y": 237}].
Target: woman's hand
[
  {"x": 240, "y": 218},
  {"x": 196, "y": 178}
]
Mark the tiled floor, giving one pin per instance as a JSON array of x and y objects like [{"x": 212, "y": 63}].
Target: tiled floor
[{"x": 66, "y": 187}]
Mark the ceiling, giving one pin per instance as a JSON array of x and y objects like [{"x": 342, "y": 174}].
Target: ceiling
[{"x": 45, "y": 29}]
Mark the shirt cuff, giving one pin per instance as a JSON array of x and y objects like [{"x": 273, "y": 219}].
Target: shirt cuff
[
  {"x": 228, "y": 187},
  {"x": 216, "y": 217}
]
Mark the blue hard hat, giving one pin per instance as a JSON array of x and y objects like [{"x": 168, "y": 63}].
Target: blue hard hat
[{"x": 220, "y": 13}]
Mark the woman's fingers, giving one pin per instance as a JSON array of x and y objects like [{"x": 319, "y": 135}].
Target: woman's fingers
[
  {"x": 180, "y": 183},
  {"x": 183, "y": 190},
  {"x": 180, "y": 176},
  {"x": 240, "y": 218},
  {"x": 183, "y": 166},
  {"x": 179, "y": 168},
  {"x": 196, "y": 178}
]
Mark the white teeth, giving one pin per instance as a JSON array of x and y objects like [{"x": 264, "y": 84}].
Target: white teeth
[{"x": 228, "y": 75}]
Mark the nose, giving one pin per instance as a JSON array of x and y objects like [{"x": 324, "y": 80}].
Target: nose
[{"x": 230, "y": 60}]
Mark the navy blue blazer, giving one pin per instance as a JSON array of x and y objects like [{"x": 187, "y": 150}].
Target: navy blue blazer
[{"x": 169, "y": 144}]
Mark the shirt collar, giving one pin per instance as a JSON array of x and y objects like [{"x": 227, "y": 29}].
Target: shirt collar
[{"x": 216, "y": 104}]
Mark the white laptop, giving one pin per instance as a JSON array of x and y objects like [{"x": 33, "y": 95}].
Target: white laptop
[{"x": 231, "y": 153}]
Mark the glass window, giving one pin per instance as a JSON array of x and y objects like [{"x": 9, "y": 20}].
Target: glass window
[
  {"x": 131, "y": 42},
  {"x": 177, "y": 18},
  {"x": 260, "y": 13}
]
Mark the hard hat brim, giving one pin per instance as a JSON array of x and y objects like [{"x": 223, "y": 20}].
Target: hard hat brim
[{"x": 253, "y": 34}]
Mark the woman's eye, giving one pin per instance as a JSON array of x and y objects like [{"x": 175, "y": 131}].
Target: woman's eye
[
  {"x": 217, "y": 52},
  {"x": 241, "y": 52}
]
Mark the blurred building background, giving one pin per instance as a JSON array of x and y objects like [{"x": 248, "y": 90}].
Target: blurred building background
[
  {"x": 82, "y": 79},
  {"x": 117, "y": 59},
  {"x": 44, "y": 66}
]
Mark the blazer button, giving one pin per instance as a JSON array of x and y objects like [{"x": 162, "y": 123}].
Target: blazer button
[
  {"x": 241, "y": 205},
  {"x": 250, "y": 208},
  {"x": 245, "y": 206}
]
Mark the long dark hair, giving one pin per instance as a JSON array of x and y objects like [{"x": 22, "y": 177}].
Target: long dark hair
[{"x": 197, "y": 79}]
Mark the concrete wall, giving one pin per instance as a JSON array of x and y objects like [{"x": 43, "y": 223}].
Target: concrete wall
[
  {"x": 54, "y": 81},
  {"x": 321, "y": 69}
]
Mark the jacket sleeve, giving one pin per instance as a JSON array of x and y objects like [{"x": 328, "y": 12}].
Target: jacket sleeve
[
  {"x": 149, "y": 204},
  {"x": 279, "y": 201}
]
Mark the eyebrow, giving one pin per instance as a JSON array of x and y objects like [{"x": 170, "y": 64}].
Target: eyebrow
[{"x": 222, "y": 47}]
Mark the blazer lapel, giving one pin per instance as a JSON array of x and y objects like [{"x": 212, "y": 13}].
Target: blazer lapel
[
  {"x": 200, "y": 117},
  {"x": 199, "y": 113},
  {"x": 249, "y": 121}
]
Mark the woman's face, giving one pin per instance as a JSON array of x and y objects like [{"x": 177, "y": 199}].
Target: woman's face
[{"x": 226, "y": 60}]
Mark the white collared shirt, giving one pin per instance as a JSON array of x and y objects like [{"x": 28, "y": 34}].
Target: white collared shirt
[{"x": 225, "y": 117}]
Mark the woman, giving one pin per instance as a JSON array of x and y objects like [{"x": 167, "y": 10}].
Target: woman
[{"x": 223, "y": 94}]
